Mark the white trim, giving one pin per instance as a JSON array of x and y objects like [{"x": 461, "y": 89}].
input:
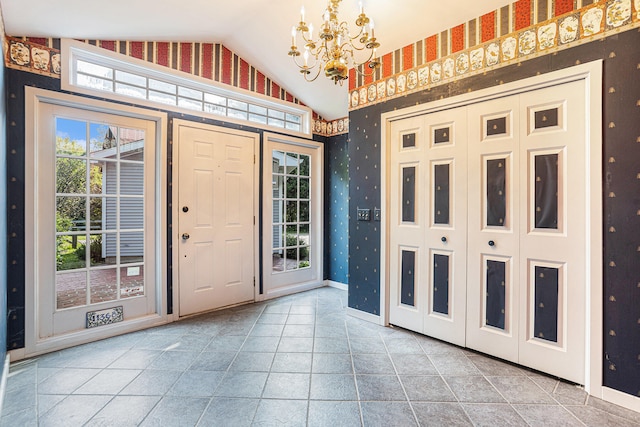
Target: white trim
[
  {"x": 177, "y": 123},
  {"x": 3, "y": 380},
  {"x": 363, "y": 315},
  {"x": 337, "y": 285},
  {"x": 73, "y": 49},
  {"x": 592, "y": 74},
  {"x": 290, "y": 290},
  {"x": 33, "y": 98},
  {"x": 621, "y": 399}
]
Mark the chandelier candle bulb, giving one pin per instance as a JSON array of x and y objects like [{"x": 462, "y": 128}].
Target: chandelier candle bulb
[
  {"x": 302, "y": 14},
  {"x": 293, "y": 37}
]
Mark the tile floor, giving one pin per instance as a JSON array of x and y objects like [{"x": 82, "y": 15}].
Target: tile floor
[{"x": 295, "y": 361}]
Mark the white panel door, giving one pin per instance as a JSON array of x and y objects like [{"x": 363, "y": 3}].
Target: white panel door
[
  {"x": 408, "y": 274},
  {"x": 445, "y": 244},
  {"x": 492, "y": 289},
  {"x": 553, "y": 210},
  {"x": 216, "y": 218}
]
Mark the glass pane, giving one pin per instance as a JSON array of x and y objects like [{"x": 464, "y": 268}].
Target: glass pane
[
  {"x": 304, "y": 188},
  {"x": 278, "y": 211},
  {"x": 546, "y": 118},
  {"x": 71, "y": 176},
  {"x": 215, "y": 109},
  {"x": 215, "y": 99},
  {"x": 257, "y": 118},
  {"x": 292, "y": 126},
  {"x": 441, "y": 284},
  {"x": 304, "y": 234},
  {"x": 95, "y": 69},
  {"x": 495, "y": 297},
  {"x": 293, "y": 118},
  {"x": 131, "y": 247},
  {"x": 162, "y": 86},
  {"x": 71, "y": 213},
  {"x": 103, "y": 285},
  {"x": 276, "y": 114},
  {"x": 131, "y": 144},
  {"x": 110, "y": 177},
  {"x": 132, "y": 177},
  {"x": 441, "y": 194},
  {"x": 278, "y": 162},
  {"x": 304, "y": 165},
  {"x": 546, "y": 199},
  {"x": 291, "y": 261},
  {"x": 133, "y": 79},
  {"x": 407, "y": 281},
  {"x": 292, "y": 187},
  {"x": 131, "y": 213},
  {"x": 257, "y": 109},
  {"x": 276, "y": 123},
  {"x": 96, "y": 176},
  {"x": 408, "y": 194},
  {"x": 292, "y": 236},
  {"x": 131, "y": 281},
  {"x": 190, "y": 104},
  {"x": 133, "y": 91},
  {"x": 95, "y": 213},
  {"x": 278, "y": 261},
  {"x": 71, "y": 289},
  {"x": 237, "y": 114},
  {"x": 71, "y": 137},
  {"x": 162, "y": 97},
  {"x": 94, "y": 82},
  {"x": 238, "y": 105},
  {"x": 109, "y": 218},
  {"x": 189, "y": 93},
  {"x": 103, "y": 140},
  {"x": 442, "y": 135},
  {"x": 96, "y": 255},
  {"x": 409, "y": 140},
  {"x": 304, "y": 261},
  {"x": 292, "y": 164},
  {"x": 546, "y": 300},
  {"x": 304, "y": 211},
  {"x": 70, "y": 252},
  {"x": 497, "y": 126},
  {"x": 278, "y": 236},
  {"x": 292, "y": 211},
  {"x": 496, "y": 192}
]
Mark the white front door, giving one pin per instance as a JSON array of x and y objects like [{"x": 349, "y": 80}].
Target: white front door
[{"x": 215, "y": 227}]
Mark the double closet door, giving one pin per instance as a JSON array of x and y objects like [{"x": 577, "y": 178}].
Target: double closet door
[{"x": 487, "y": 227}]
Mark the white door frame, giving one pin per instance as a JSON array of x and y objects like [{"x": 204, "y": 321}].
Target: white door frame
[
  {"x": 175, "y": 209},
  {"x": 33, "y": 346},
  {"x": 592, "y": 74}
]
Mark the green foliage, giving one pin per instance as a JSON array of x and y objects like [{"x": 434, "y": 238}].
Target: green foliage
[
  {"x": 303, "y": 264},
  {"x": 95, "y": 250},
  {"x": 292, "y": 252}
]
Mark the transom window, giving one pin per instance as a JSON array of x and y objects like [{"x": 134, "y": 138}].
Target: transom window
[{"x": 96, "y": 69}]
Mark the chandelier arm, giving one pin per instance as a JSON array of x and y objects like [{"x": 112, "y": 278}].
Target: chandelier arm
[{"x": 306, "y": 75}]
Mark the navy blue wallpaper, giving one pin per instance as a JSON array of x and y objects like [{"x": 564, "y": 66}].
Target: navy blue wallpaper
[
  {"x": 337, "y": 209},
  {"x": 3, "y": 217},
  {"x": 621, "y": 154}
]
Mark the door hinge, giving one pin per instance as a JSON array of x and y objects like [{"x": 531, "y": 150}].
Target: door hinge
[
  {"x": 254, "y": 159},
  {"x": 254, "y": 220},
  {"x": 254, "y": 282}
]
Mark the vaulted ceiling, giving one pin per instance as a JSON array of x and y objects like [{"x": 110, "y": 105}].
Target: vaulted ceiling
[{"x": 257, "y": 30}]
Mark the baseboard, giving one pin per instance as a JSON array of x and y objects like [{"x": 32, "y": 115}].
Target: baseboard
[
  {"x": 3, "y": 380},
  {"x": 373, "y": 318},
  {"x": 621, "y": 399},
  {"x": 337, "y": 285}
]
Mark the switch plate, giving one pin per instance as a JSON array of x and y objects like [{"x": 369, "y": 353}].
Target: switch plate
[
  {"x": 377, "y": 213},
  {"x": 364, "y": 214}
]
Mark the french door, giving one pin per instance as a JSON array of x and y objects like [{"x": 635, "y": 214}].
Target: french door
[{"x": 487, "y": 227}]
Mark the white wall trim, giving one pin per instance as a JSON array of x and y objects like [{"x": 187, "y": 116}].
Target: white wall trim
[
  {"x": 3, "y": 380},
  {"x": 337, "y": 285},
  {"x": 621, "y": 399},
  {"x": 591, "y": 73},
  {"x": 289, "y": 290},
  {"x": 33, "y": 98}
]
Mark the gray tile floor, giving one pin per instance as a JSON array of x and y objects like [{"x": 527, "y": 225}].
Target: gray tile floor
[{"x": 295, "y": 361}]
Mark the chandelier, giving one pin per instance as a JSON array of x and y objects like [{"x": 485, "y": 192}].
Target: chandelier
[{"x": 334, "y": 47}]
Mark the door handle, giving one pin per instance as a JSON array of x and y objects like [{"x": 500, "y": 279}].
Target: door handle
[
  {"x": 185, "y": 236},
  {"x": 492, "y": 243},
  {"x": 443, "y": 239}
]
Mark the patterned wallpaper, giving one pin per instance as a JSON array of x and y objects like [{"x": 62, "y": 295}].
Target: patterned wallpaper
[
  {"x": 337, "y": 208},
  {"x": 621, "y": 198},
  {"x": 523, "y": 30},
  {"x": 207, "y": 60}
]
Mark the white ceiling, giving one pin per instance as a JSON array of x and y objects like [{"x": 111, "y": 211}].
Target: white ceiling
[{"x": 259, "y": 31}]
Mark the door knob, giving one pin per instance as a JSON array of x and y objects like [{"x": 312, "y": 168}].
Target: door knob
[
  {"x": 492, "y": 243},
  {"x": 185, "y": 236},
  {"x": 444, "y": 239},
  {"x": 185, "y": 209}
]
